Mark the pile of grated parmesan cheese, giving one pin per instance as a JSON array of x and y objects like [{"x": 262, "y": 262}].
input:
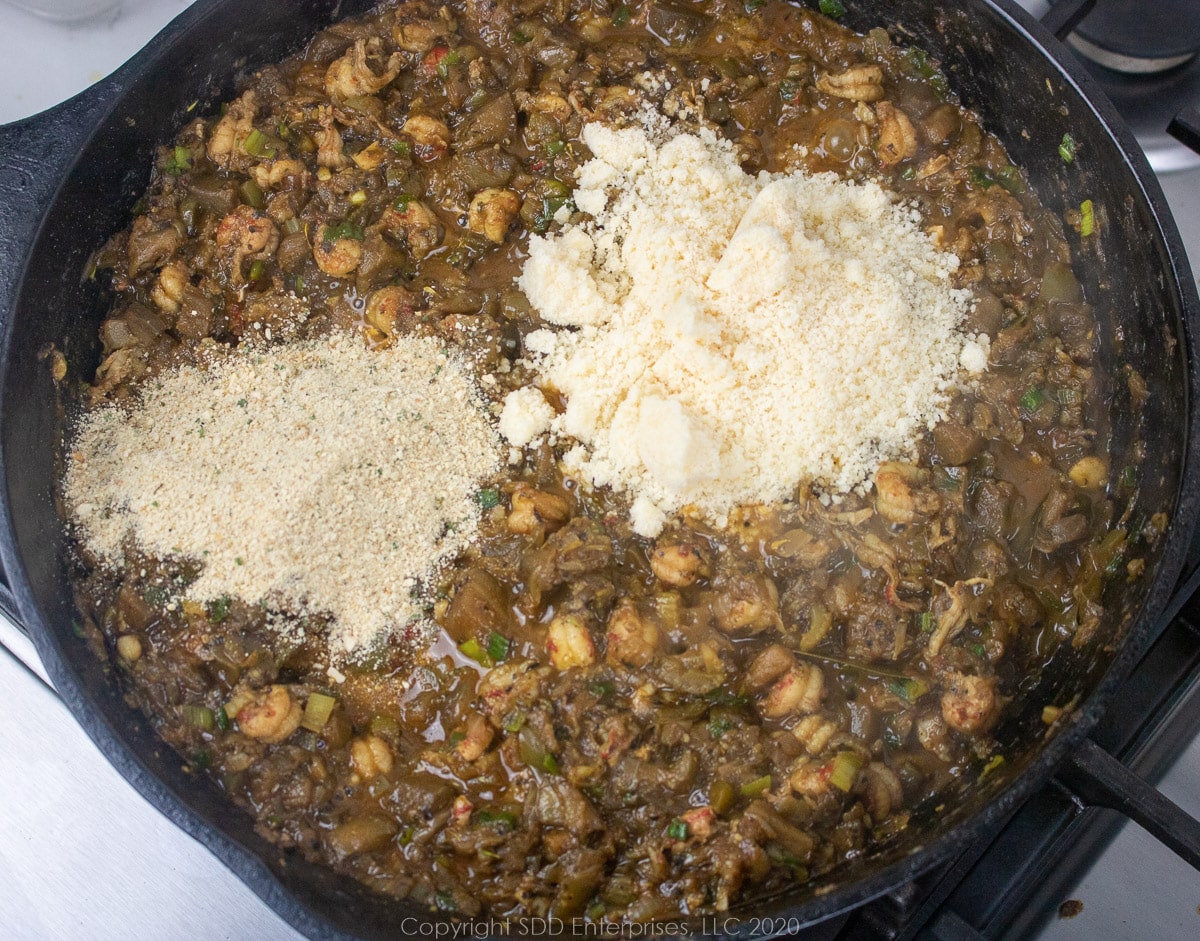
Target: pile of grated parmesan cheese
[
  {"x": 322, "y": 477},
  {"x": 735, "y": 335}
]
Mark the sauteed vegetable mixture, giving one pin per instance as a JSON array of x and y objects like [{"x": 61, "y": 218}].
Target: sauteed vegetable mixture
[{"x": 609, "y": 726}]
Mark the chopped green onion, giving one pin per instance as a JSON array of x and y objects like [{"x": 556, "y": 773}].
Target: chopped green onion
[
  {"x": 756, "y": 787},
  {"x": 200, "y": 717},
  {"x": 678, "y": 830},
  {"x": 926, "y": 621},
  {"x": 253, "y": 194},
  {"x": 497, "y": 646},
  {"x": 292, "y": 226},
  {"x": 1087, "y": 218},
  {"x": 257, "y": 144},
  {"x": 1010, "y": 178},
  {"x": 402, "y": 202},
  {"x": 401, "y": 147},
  {"x": 978, "y": 649},
  {"x": 520, "y": 37},
  {"x": 317, "y": 711},
  {"x": 488, "y": 497},
  {"x": 472, "y": 649},
  {"x": 833, "y": 8},
  {"x": 1128, "y": 477},
  {"x": 514, "y": 722},
  {"x": 550, "y": 763},
  {"x": 407, "y": 834},
  {"x": 456, "y": 737},
  {"x": 908, "y": 173},
  {"x": 500, "y": 819},
  {"x": 1032, "y": 400},
  {"x": 719, "y": 725},
  {"x": 621, "y": 16},
  {"x": 909, "y": 690},
  {"x": 844, "y": 770},
  {"x": 1066, "y": 149},
  {"x": 180, "y": 160},
  {"x": 343, "y": 230},
  {"x": 721, "y": 796},
  {"x": 555, "y": 147},
  {"x": 223, "y": 722},
  {"x": 991, "y": 766},
  {"x": 257, "y": 270}
]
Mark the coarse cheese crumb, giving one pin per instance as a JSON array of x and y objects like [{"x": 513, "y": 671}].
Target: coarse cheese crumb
[
  {"x": 318, "y": 477},
  {"x": 526, "y": 415},
  {"x": 734, "y": 335}
]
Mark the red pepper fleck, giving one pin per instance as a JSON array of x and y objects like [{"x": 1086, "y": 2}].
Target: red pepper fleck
[{"x": 433, "y": 59}]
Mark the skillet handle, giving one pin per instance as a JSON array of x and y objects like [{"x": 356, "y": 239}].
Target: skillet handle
[
  {"x": 1064, "y": 15},
  {"x": 1097, "y": 778},
  {"x": 35, "y": 154}
]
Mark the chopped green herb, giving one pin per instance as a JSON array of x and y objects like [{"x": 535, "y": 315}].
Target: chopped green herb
[
  {"x": 926, "y": 621},
  {"x": 401, "y": 147},
  {"x": 223, "y": 722},
  {"x": 719, "y": 725},
  {"x": 555, "y": 147},
  {"x": 550, "y": 763},
  {"x": 603, "y": 688},
  {"x": 456, "y": 737},
  {"x": 500, "y": 819},
  {"x": 756, "y": 787},
  {"x": 407, "y": 834},
  {"x": 1087, "y": 218},
  {"x": 978, "y": 649},
  {"x": 238, "y": 560},
  {"x": 833, "y": 8},
  {"x": 678, "y": 830},
  {"x": 445, "y": 902},
  {"x": 1032, "y": 400},
  {"x": 909, "y": 690},
  {"x": 908, "y": 173},
  {"x": 201, "y": 760},
  {"x": 621, "y": 16},
  {"x": 257, "y": 270},
  {"x": 514, "y": 722},
  {"x": 343, "y": 230},
  {"x": 1010, "y": 178},
  {"x": 980, "y": 177},
  {"x": 1066, "y": 149},
  {"x": 218, "y": 610},
  {"x": 1128, "y": 477},
  {"x": 520, "y": 37},
  {"x": 179, "y": 161},
  {"x": 77, "y": 630},
  {"x": 497, "y": 646},
  {"x": 487, "y": 498}
]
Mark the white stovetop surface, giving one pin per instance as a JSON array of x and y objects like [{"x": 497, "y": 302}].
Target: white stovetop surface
[{"x": 83, "y": 856}]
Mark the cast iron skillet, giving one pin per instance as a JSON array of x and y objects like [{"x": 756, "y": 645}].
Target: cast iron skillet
[{"x": 69, "y": 177}]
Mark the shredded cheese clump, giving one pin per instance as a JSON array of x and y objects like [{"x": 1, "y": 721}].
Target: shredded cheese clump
[
  {"x": 318, "y": 477},
  {"x": 732, "y": 335}
]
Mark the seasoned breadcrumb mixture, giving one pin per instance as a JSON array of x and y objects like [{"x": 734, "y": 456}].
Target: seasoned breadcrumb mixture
[
  {"x": 734, "y": 335},
  {"x": 322, "y": 478}
]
